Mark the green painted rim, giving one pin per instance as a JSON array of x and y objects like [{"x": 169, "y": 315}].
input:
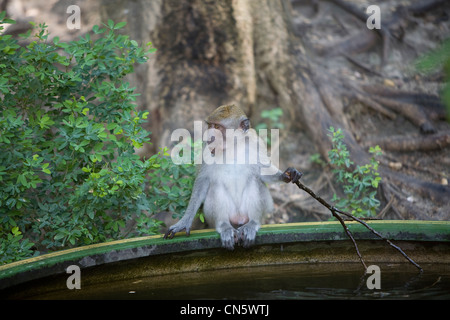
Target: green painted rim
[{"x": 98, "y": 254}]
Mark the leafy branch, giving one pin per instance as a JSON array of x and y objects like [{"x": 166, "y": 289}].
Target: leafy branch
[
  {"x": 69, "y": 130},
  {"x": 360, "y": 185}
]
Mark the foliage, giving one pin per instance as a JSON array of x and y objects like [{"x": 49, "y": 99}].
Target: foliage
[
  {"x": 171, "y": 190},
  {"x": 13, "y": 248},
  {"x": 437, "y": 59},
  {"x": 69, "y": 128},
  {"x": 315, "y": 158},
  {"x": 271, "y": 119},
  {"x": 360, "y": 185}
]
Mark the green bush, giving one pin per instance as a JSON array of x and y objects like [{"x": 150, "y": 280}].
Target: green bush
[
  {"x": 435, "y": 60},
  {"x": 69, "y": 127},
  {"x": 360, "y": 185},
  {"x": 271, "y": 119},
  {"x": 13, "y": 248}
]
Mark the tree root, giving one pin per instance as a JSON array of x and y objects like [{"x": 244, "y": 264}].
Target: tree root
[
  {"x": 361, "y": 42},
  {"x": 377, "y": 107},
  {"x": 383, "y": 99},
  {"x": 393, "y": 27},
  {"x": 439, "y": 194},
  {"x": 321, "y": 109},
  {"x": 406, "y": 143},
  {"x": 325, "y": 111},
  {"x": 412, "y": 111}
]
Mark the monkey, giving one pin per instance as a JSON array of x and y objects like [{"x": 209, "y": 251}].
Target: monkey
[{"x": 233, "y": 193}]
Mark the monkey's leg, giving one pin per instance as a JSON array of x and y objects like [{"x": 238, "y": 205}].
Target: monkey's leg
[
  {"x": 256, "y": 202},
  {"x": 218, "y": 207}
]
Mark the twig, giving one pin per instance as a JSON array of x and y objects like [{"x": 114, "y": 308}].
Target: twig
[
  {"x": 386, "y": 208},
  {"x": 381, "y": 237},
  {"x": 349, "y": 234},
  {"x": 361, "y": 65},
  {"x": 335, "y": 212}
]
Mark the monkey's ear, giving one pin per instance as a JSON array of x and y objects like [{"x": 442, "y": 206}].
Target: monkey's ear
[{"x": 245, "y": 125}]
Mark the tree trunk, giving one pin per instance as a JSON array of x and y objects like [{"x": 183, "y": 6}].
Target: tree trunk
[
  {"x": 248, "y": 52},
  {"x": 210, "y": 54}
]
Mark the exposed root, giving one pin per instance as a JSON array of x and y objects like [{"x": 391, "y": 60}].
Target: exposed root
[
  {"x": 438, "y": 193},
  {"x": 385, "y": 209},
  {"x": 353, "y": 44},
  {"x": 377, "y": 107},
  {"x": 407, "y": 143},
  {"x": 389, "y": 102},
  {"x": 412, "y": 111},
  {"x": 393, "y": 27}
]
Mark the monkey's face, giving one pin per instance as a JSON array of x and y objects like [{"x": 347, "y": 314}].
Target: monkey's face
[
  {"x": 219, "y": 134},
  {"x": 224, "y": 122}
]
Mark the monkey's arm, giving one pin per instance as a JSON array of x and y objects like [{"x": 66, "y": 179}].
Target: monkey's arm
[
  {"x": 290, "y": 175},
  {"x": 199, "y": 191}
]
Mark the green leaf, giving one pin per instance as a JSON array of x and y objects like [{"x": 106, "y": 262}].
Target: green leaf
[
  {"x": 111, "y": 126},
  {"x": 21, "y": 178},
  {"x": 44, "y": 168},
  {"x": 59, "y": 236},
  {"x": 119, "y": 25},
  {"x": 15, "y": 231},
  {"x": 87, "y": 170},
  {"x": 110, "y": 24}
]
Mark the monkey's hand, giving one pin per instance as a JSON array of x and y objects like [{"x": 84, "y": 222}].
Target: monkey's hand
[
  {"x": 177, "y": 227},
  {"x": 291, "y": 175}
]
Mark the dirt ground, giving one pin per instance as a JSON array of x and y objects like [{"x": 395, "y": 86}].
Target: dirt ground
[
  {"x": 423, "y": 33},
  {"x": 317, "y": 28}
]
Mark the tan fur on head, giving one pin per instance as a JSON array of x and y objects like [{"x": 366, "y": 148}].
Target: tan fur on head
[{"x": 226, "y": 112}]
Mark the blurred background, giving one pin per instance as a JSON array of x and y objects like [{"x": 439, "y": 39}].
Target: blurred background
[{"x": 302, "y": 67}]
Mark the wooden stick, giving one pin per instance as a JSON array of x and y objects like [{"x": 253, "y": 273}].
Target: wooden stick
[
  {"x": 349, "y": 234},
  {"x": 335, "y": 212}
]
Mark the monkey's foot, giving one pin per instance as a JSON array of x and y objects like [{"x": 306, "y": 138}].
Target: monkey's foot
[
  {"x": 247, "y": 233},
  {"x": 228, "y": 237}
]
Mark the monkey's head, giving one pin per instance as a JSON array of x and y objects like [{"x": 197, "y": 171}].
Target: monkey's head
[{"x": 223, "y": 118}]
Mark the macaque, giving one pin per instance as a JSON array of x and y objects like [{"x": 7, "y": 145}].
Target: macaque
[{"x": 232, "y": 187}]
